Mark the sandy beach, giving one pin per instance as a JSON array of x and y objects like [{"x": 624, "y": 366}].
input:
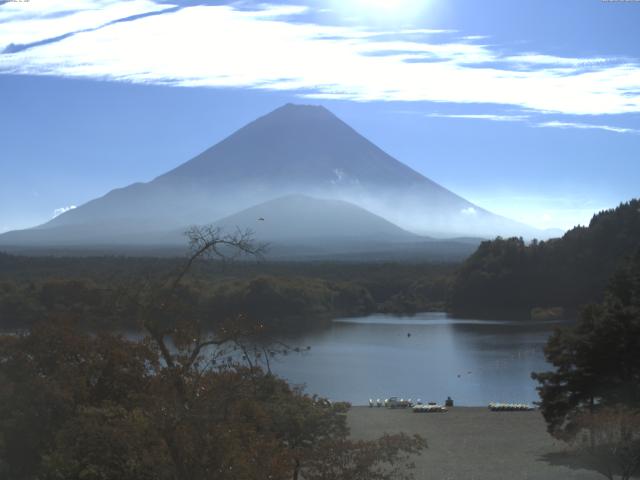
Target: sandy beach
[{"x": 473, "y": 443}]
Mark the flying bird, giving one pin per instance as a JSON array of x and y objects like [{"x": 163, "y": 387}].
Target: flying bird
[{"x": 261, "y": 219}]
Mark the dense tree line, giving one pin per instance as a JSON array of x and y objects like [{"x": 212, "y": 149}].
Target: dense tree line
[
  {"x": 102, "y": 291},
  {"x": 507, "y": 276},
  {"x": 283, "y": 303}
]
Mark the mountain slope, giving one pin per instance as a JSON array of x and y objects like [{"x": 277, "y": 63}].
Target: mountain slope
[{"x": 294, "y": 149}]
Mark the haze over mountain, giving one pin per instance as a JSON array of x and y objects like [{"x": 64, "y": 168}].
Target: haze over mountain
[
  {"x": 296, "y": 149},
  {"x": 301, "y": 227},
  {"x": 306, "y": 219}
]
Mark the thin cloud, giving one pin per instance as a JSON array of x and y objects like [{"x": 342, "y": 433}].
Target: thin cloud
[
  {"x": 426, "y": 31},
  {"x": 475, "y": 37},
  {"x": 220, "y": 46},
  {"x": 469, "y": 212},
  {"x": 493, "y": 118},
  {"x": 538, "y": 59},
  {"x": 268, "y": 10},
  {"x": 586, "y": 126},
  {"x": 543, "y": 211},
  {"x": 61, "y": 210},
  {"x": 526, "y": 118},
  {"x": 23, "y": 23}
]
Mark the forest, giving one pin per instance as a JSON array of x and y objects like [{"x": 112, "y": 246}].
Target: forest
[
  {"x": 510, "y": 278},
  {"x": 102, "y": 291}
]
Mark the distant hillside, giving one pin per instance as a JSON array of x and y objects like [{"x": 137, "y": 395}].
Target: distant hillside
[
  {"x": 508, "y": 277},
  {"x": 300, "y": 218},
  {"x": 289, "y": 219},
  {"x": 299, "y": 227}
]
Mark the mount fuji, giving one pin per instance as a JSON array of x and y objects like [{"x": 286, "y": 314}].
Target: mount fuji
[{"x": 294, "y": 150}]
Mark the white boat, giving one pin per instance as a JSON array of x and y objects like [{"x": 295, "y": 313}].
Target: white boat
[
  {"x": 429, "y": 408},
  {"x": 397, "y": 402},
  {"x": 510, "y": 407}
]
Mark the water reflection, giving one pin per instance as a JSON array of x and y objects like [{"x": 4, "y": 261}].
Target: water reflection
[{"x": 427, "y": 356}]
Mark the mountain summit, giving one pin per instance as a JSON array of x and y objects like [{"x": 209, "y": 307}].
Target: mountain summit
[
  {"x": 296, "y": 146},
  {"x": 295, "y": 149}
]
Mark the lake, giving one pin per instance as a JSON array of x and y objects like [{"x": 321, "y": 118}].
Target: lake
[{"x": 428, "y": 356}]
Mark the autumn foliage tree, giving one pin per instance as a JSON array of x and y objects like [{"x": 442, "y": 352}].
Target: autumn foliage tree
[{"x": 184, "y": 403}]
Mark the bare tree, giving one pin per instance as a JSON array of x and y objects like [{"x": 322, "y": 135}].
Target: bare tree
[
  {"x": 166, "y": 314},
  {"x": 185, "y": 346}
]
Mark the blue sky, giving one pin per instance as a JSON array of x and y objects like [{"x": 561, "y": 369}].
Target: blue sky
[{"x": 530, "y": 109}]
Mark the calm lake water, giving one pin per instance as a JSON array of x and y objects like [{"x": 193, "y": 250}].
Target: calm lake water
[{"x": 427, "y": 356}]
